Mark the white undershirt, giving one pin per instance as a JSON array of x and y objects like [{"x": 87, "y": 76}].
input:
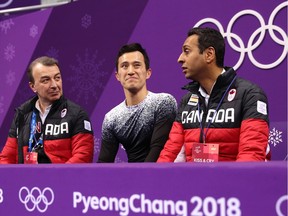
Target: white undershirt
[
  {"x": 42, "y": 115},
  {"x": 204, "y": 93}
]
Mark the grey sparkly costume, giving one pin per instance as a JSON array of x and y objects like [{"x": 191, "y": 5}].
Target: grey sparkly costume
[{"x": 142, "y": 129}]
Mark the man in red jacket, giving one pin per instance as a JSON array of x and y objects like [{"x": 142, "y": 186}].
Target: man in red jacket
[
  {"x": 48, "y": 128},
  {"x": 223, "y": 117}
]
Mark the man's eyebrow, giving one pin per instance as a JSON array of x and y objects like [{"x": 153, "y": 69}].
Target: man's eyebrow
[
  {"x": 47, "y": 76},
  {"x": 137, "y": 62},
  {"x": 133, "y": 62},
  {"x": 44, "y": 77}
]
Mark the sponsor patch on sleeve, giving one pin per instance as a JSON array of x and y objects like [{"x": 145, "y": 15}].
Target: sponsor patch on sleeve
[
  {"x": 87, "y": 125},
  {"x": 262, "y": 107}
]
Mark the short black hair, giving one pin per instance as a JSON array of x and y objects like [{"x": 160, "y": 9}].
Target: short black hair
[
  {"x": 44, "y": 60},
  {"x": 209, "y": 37},
  {"x": 132, "y": 48}
]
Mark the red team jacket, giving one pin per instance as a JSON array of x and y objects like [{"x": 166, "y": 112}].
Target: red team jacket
[
  {"x": 68, "y": 136},
  {"x": 239, "y": 124}
]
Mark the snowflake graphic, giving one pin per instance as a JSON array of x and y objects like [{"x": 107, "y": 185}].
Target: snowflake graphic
[
  {"x": 1, "y": 104},
  {"x": 275, "y": 137},
  {"x": 53, "y": 52},
  {"x": 97, "y": 143},
  {"x": 119, "y": 160},
  {"x": 86, "y": 21},
  {"x": 121, "y": 152},
  {"x": 9, "y": 52},
  {"x": 10, "y": 78},
  {"x": 97, "y": 146},
  {"x": 6, "y": 25},
  {"x": 33, "y": 31},
  {"x": 23, "y": 93},
  {"x": 87, "y": 77}
]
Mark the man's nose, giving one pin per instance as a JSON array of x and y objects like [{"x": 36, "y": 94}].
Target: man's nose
[
  {"x": 53, "y": 83},
  {"x": 180, "y": 59},
  {"x": 130, "y": 70}
]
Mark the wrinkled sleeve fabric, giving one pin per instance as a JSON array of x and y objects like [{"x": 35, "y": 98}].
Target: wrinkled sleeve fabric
[
  {"x": 10, "y": 149},
  {"x": 166, "y": 113},
  {"x": 173, "y": 145},
  {"x": 254, "y": 131},
  {"x": 9, "y": 152},
  {"x": 109, "y": 143},
  {"x": 175, "y": 141},
  {"x": 253, "y": 140},
  {"x": 82, "y": 141}
]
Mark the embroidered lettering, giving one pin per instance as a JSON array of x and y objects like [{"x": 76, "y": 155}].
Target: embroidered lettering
[
  {"x": 55, "y": 130},
  {"x": 219, "y": 117}
]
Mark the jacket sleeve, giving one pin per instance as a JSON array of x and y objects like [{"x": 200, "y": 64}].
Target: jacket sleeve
[
  {"x": 166, "y": 114},
  {"x": 253, "y": 140},
  {"x": 175, "y": 142},
  {"x": 82, "y": 148},
  {"x": 82, "y": 141},
  {"x": 9, "y": 154},
  {"x": 254, "y": 131},
  {"x": 173, "y": 145}
]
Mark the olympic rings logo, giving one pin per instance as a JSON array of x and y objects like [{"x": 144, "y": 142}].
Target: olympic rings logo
[
  {"x": 261, "y": 30},
  {"x": 6, "y": 4},
  {"x": 34, "y": 198},
  {"x": 279, "y": 202}
]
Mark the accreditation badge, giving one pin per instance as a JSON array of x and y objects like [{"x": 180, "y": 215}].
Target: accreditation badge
[
  {"x": 31, "y": 158},
  {"x": 205, "y": 152}
]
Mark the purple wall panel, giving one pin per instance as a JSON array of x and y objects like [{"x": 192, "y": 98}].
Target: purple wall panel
[{"x": 19, "y": 37}]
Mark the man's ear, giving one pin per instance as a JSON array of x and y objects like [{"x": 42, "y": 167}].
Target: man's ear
[
  {"x": 32, "y": 87},
  {"x": 117, "y": 75},
  {"x": 210, "y": 54},
  {"x": 149, "y": 73}
]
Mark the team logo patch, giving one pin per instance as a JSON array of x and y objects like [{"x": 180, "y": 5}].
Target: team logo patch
[
  {"x": 193, "y": 100},
  {"x": 87, "y": 125},
  {"x": 231, "y": 94},
  {"x": 262, "y": 107},
  {"x": 38, "y": 127},
  {"x": 63, "y": 113}
]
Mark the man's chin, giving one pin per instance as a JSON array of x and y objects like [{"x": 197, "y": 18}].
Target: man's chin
[
  {"x": 187, "y": 76},
  {"x": 55, "y": 97},
  {"x": 133, "y": 89}
]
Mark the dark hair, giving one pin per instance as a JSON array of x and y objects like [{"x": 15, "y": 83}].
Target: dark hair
[
  {"x": 44, "y": 60},
  {"x": 208, "y": 37},
  {"x": 132, "y": 48}
]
